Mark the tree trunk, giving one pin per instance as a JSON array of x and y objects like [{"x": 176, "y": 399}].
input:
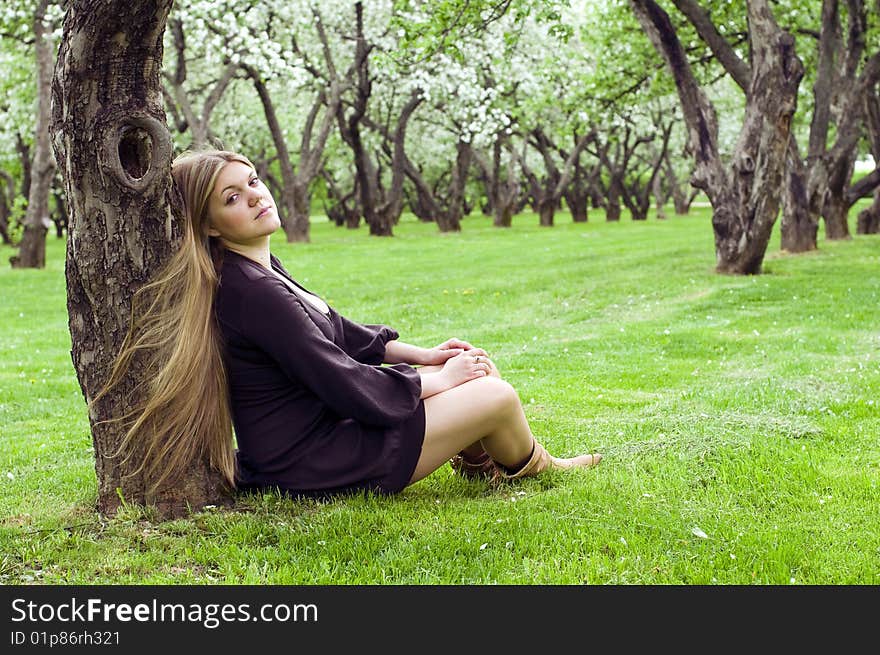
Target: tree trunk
[
  {"x": 32, "y": 249},
  {"x": 660, "y": 198},
  {"x": 745, "y": 193},
  {"x": 450, "y": 219},
  {"x": 505, "y": 200},
  {"x": 800, "y": 225},
  {"x": 7, "y": 193},
  {"x": 294, "y": 208},
  {"x": 835, "y": 215},
  {"x": 578, "y": 203},
  {"x": 612, "y": 202},
  {"x": 390, "y": 210},
  {"x": 835, "y": 208},
  {"x": 546, "y": 210},
  {"x": 109, "y": 133},
  {"x": 869, "y": 219}
]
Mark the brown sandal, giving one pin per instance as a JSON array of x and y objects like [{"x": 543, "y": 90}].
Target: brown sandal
[{"x": 479, "y": 468}]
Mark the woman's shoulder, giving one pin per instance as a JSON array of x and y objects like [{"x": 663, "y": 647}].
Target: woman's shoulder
[{"x": 243, "y": 278}]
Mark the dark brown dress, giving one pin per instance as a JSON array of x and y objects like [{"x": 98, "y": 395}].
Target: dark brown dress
[{"x": 314, "y": 410}]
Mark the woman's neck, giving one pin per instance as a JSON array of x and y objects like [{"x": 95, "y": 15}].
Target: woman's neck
[{"x": 258, "y": 253}]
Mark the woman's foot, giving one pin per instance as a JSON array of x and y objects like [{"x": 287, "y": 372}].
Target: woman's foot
[
  {"x": 540, "y": 460},
  {"x": 581, "y": 461}
]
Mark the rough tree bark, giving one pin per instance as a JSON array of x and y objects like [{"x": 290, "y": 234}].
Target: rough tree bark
[
  {"x": 844, "y": 88},
  {"x": 869, "y": 219},
  {"x": 110, "y": 136},
  {"x": 32, "y": 249},
  {"x": 819, "y": 183},
  {"x": 745, "y": 194},
  {"x": 502, "y": 193},
  {"x": 577, "y": 192},
  {"x": 7, "y": 196},
  {"x": 547, "y": 192},
  {"x": 683, "y": 195},
  {"x": 295, "y": 199},
  {"x": 391, "y": 207},
  {"x": 350, "y": 129}
]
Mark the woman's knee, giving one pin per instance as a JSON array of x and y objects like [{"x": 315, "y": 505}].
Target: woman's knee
[{"x": 496, "y": 393}]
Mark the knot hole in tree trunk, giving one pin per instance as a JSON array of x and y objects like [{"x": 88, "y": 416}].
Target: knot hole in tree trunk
[{"x": 137, "y": 150}]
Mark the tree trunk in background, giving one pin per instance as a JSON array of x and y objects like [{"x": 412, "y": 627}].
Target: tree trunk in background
[
  {"x": 744, "y": 193},
  {"x": 450, "y": 219},
  {"x": 32, "y": 249},
  {"x": 835, "y": 208},
  {"x": 7, "y": 194},
  {"x": 799, "y": 225},
  {"x": 869, "y": 219},
  {"x": 109, "y": 133},
  {"x": 506, "y": 195},
  {"x": 578, "y": 202},
  {"x": 612, "y": 202},
  {"x": 392, "y": 207},
  {"x": 661, "y": 195}
]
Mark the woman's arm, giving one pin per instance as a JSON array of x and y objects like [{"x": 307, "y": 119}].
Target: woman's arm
[
  {"x": 397, "y": 352},
  {"x": 457, "y": 370}
]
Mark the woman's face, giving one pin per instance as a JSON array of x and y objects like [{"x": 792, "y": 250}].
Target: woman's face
[{"x": 241, "y": 209}]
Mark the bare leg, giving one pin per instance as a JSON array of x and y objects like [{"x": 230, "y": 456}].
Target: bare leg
[
  {"x": 485, "y": 409},
  {"x": 483, "y": 416},
  {"x": 475, "y": 450}
]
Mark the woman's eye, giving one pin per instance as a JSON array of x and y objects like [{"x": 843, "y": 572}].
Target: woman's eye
[
  {"x": 254, "y": 181},
  {"x": 231, "y": 198}
]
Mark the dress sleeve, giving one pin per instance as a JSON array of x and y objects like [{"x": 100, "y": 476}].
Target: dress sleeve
[
  {"x": 366, "y": 342},
  {"x": 275, "y": 321}
]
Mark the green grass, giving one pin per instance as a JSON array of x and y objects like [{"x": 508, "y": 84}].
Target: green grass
[{"x": 745, "y": 409}]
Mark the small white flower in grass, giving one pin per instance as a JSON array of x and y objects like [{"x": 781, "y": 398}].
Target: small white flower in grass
[
  {"x": 791, "y": 580},
  {"x": 534, "y": 338},
  {"x": 623, "y": 541},
  {"x": 697, "y": 532},
  {"x": 322, "y": 543},
  {"x": 732, "y": 556},
  {"x": 483, "y": 547},
  {"x": 9, "y": 475}
]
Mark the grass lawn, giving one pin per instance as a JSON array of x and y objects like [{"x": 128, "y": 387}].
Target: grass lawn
[{"x": 739, "y": 418}]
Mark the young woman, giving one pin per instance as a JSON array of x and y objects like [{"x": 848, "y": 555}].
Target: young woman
[{"x": 319, "y": 403}]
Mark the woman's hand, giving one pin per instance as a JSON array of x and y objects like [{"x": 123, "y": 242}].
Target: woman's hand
[
  {"x": 465, "y": 366},
  {"x": 450, "y": 348}
]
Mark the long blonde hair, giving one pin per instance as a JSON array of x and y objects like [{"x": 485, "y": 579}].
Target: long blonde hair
[{"x": 184, "y": 415}]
